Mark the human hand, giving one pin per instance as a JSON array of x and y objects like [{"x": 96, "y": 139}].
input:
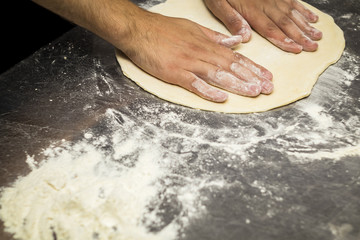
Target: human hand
[
  {"x": 285, "y": 23},
  {"x": 186, "y": 54},
  {"x": 175, "y": 50}
]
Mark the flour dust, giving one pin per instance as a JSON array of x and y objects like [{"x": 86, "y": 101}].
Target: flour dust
[
  {"x": 116, "y": 186},
  {"x": 152, "y": 169}
]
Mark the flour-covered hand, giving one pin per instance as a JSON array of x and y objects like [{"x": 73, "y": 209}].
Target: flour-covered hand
[
  {"x": 285, "y": 23},
  {"x": 174, "y": 50},
  {"x": 196, "y": 58}
]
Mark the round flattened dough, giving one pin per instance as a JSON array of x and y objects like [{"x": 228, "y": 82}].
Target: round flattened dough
[{"x": 294, "y": 74}]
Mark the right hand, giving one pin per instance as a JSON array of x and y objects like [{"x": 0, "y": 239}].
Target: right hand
[
  {"x": 181, "y": 52},
  {"x": 285, "y": 23}
]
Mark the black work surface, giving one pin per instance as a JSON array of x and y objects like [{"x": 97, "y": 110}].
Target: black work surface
[{"x": 290, "y": 173}]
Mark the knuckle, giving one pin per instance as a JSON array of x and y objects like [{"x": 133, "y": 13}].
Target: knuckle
[
  {"x": 271, "y": 30},
  {"x": 189, "y": 78},
  {"x": 284, "y": 21},
  {"x": 293, "y": 3},
  {"x": 183, "y": 56},
  {"x": 183, "y": 79},
  {"x": 234, "y": 20},
  {"x": 218, "y": 36},
  {"x": 237, "y": 56},
  {"x": 291, "y": 12},
  {"x": 218, "y": 71},
  {"x": 193, "y": 47}
]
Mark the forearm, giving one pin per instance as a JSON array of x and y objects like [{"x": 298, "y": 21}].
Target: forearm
[
  {"x": 175, "y": 50},
  {"x": 112, "y": 20}
]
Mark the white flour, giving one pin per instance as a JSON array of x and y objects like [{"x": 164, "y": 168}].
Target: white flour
[
  {"x": 86, "y": 191},
  {"x": 78, "y": 193},
  {"x": 121, "y": 183}
]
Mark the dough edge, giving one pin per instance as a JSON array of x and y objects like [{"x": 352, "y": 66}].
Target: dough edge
[{"x": 235, "y": 103}]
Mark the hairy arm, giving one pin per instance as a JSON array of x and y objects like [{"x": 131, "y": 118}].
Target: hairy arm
[
  {"x": 175, "y": 50},
  {"x": 113, "y": 20}
]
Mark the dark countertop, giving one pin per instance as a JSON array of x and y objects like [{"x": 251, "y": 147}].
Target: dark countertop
[{"x": 290, "y": 173}]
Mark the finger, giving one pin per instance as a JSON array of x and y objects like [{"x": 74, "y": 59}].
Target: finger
[
  {"x": 194, "y": 84},
  {"x": 222, "y": 39},
  {"x": 224, "y": 57},
  {"x": 212, "y": 53},
  {"x": 242, "y": 72},
  {"x": 204, "y": 90},
  {"x": 254, "y": 67},
  {"x": 234, "y": 63},
  {"x": 287, "y": 26},
  {"x": 229, "y": 82},
  {"x": 269, "y": 30},
  {"x": 223, "y": 79},
  {"x": 231, "y": 41},
  {"x": 308, "y": 14},
  {"x": 253, "y": 72},
  {"x": 236, "y": 24},
  {"x": 304, "y": 26},
  {"x": 213, "y": 57}
]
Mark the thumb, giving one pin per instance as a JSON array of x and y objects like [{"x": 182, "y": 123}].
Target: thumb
[
  {"x": 231, "y": 18},
  {"x": 222, "y": 39}
]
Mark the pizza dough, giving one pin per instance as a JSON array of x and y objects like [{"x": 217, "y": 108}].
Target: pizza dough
[{"x": 294, "y": 74}]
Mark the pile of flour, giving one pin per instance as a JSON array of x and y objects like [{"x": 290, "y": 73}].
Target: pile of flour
[
  {"x": 78, "y": 193},
  {"x": 116, "y": 183}
]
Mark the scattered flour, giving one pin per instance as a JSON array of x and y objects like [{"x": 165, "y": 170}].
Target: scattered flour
[
  {"x": 102, "y": 187},
  {"x": 347, "y": 16},
  {"x": 317, "y": 112},
  {"x": 336, "y": 154},
  {"x": 78, "y": 192},
  {"x": 143, "y": 177}
]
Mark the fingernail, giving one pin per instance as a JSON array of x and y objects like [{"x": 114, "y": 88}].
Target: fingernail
[
  {"x": 255, "y": 90},
  {"x": 314, "y": 17},
  {"x": 315, "y": 34},
  {"x": 309, "y": 45},
  {"x": 232, "y": 41},
  {"x": 245, "y": 33},
  {"x": 267, "y": 87}
]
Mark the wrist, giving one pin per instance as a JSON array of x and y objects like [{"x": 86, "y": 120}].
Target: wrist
[
  {"x": 113, "y": 20},
  {"x": 116, "y": 21}
]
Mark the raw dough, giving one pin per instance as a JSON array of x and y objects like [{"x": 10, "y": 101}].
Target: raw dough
[{"x": 294, "y": 74}]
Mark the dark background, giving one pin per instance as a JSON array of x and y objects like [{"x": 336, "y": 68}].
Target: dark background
[{"x": 26, "y": 27}]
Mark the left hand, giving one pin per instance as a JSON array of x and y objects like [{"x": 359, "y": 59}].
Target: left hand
[{"x": 285, "y": 23}]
